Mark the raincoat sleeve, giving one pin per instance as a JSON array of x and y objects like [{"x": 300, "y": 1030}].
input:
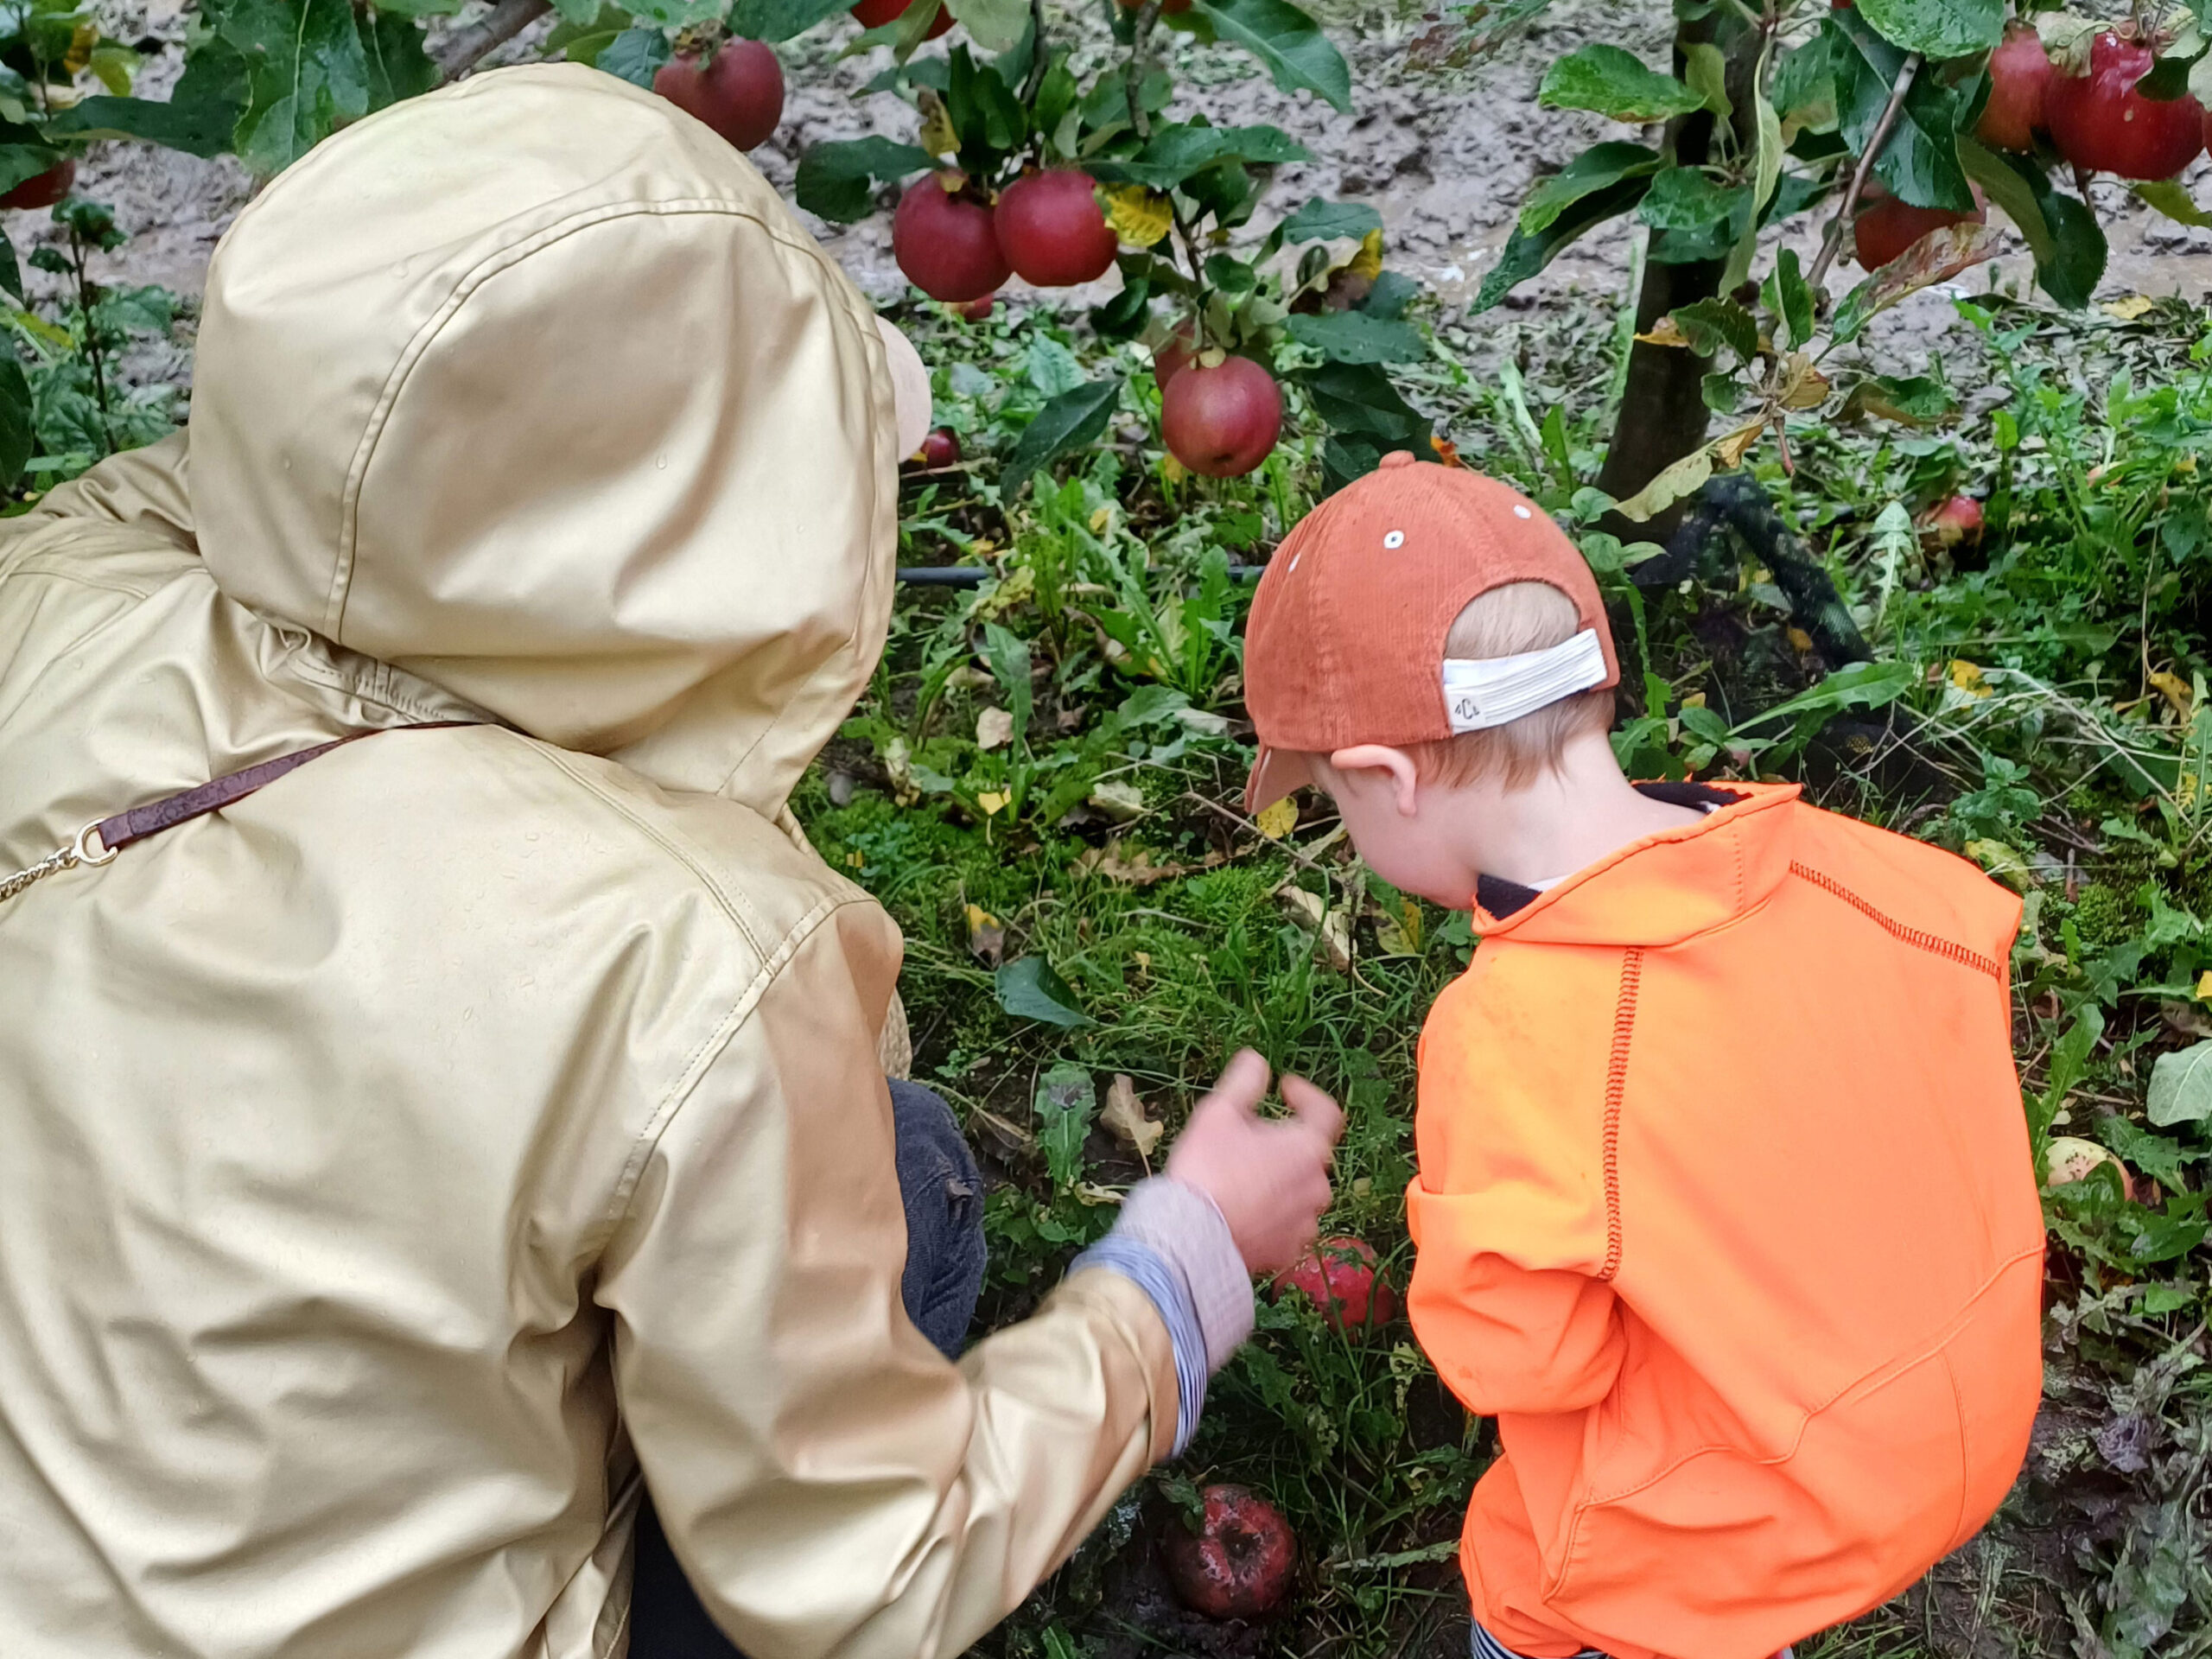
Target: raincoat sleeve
[
  {"x": 830, "y": 1483},
  {"x": 1511, "y": 1296},
  {"x": 143, "y": 489}
]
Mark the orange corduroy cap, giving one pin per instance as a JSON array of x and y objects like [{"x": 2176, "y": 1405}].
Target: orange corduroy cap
[{"x": 1345, "y": 642}]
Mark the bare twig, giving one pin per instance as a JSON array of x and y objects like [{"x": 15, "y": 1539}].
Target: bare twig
[
  {"x": 1133, "y": 76},
  {"x": 464, "y": 48},
  {"x": 1833, "y": 243},
  {"x": 1038, "y": 58}
]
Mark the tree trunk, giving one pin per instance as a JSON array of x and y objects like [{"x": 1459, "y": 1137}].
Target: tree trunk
[{"x": 1662, "y": 415}]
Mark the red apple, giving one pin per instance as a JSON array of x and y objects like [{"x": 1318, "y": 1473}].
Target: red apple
[
  {"x": 941, "y": 448},
  {"x": 1222, "y": 421},
  {"x": 1958, "y": 519},
  {"x": 1341, "y": 1277},
  {"x": 1053, "y": 231},
  {"x": 978, "y": 311},
  {"x": 945, "y": 244},
  {"x": 739, "y": 92},
  {"x": 1239, "y": 1563},
  {"x": 2019, "y": 86},
  {"x": 874, "y": 14},
  {"x": 1887, "y": 228},
  {"x": 2101, "y": 122},
  {"x": 44, "y": 189}
]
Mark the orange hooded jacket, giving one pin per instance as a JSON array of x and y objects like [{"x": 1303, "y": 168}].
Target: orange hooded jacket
[{"x": 1726, "y": 1213}]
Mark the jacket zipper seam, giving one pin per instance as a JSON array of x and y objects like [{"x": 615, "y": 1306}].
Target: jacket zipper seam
[
  {"x": 1615, "y": 1088},
  {"x": 1931, "y": 942}
]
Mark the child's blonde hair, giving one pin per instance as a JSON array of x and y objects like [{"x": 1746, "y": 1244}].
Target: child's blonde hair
[{"x": 1521, "y": 616}]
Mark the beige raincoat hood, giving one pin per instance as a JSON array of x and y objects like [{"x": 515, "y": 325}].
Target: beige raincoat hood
[{"x": 399, "y": 1163}]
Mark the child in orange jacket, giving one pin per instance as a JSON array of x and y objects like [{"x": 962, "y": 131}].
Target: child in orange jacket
[{"x": 1724, "y": 1208}]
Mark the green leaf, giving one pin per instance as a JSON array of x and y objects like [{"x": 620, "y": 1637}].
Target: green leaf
[
  {"x": 1069, "y": 421},
  {"x": 775, "y": 20},
  {"x": 1174, "y": 154},
  {"x": 676, "y": 14},
  {"x": 994, "y": 25},
  {"x": 1596, "y": 168},
  {"x": 1321, "y": 220},
  {"x": 2061, "y": 232},
  {"x": 1610, "y": 81},
  {"x": 398, "y": 66},
  {"x": 18, "y": 433},
  {"x": 1804, "y": 87},
  {"x": 2170, "y": 198},
  {"x": 1714, "y": 323},
  {"x": 1393, "y": 292},
  {"x": 1938, "y": 29},
  {"x": 1687, "y": 199},
  {"x": 1289, "y": 45},
  {"x": 1789, "y": 298},
  {"x": 1067, "y": 1101},
  {"x": 1355, "y": 337},
  {"x": 2181, "y": 1086},
  {"x": 198, "y": 129},
  {"x": 1008, "y": 655},
  {"x": 11, "y": 274},
  {"x": 1358, "y": 401},
  {"x": 1856, "y": 685},
  {"x": 306, "y": 75},
  {"x": 1920, "y": 162},
  {"x": 1705, "y": 69},
  {"x": 837, "y": 181},
  {"x": 1526, "y": 254},
  {"x": 1027, "y": 989},
  {"x": 635, "y": 55}
]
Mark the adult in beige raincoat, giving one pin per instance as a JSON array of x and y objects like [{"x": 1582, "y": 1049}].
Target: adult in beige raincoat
[{"x": 399, "y": 1164}]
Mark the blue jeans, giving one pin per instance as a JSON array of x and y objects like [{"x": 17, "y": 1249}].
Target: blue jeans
[{"x": 944, "y": 1196}]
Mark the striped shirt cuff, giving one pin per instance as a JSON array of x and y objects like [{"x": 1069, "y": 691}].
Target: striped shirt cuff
[
  {"x": 1149, "y": 1271},
  {"x": 1487, "y": 1646}
]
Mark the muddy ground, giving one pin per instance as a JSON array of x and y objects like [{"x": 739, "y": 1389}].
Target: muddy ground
[{"x": 1446, "y": 152}]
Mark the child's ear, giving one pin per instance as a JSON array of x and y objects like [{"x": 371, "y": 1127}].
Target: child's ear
[{"x": 1381, "y": 766}]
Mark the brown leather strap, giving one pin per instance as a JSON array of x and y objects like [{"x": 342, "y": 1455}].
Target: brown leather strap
[{"x": 140, "y": 822}]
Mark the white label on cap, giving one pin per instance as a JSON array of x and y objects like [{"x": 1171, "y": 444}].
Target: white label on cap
[{"x": 1497, "y": 691}]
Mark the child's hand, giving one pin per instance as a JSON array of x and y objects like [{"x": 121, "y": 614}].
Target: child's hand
[{"x": 1269, "y": 1179}]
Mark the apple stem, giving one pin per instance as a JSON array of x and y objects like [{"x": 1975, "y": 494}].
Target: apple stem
[
  {"x": 465, "y": 47},
  {"x": 1834, "y": 242}
]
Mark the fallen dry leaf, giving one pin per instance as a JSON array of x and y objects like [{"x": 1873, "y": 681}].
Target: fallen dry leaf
[
  {"x": 1277, "y": 820},
  {"x": 986, "y": 935},
  {"x": 2178, "y": 692},
  {"x": 1138, "y": 871},
  {"x": 1125, "y": 1119},
  {"x": 1336, "y": 940},
  {"x": 1015, "y": 1136},
  {"x": 1118, "y": 800},
  {"x": 993, "y": 728}
]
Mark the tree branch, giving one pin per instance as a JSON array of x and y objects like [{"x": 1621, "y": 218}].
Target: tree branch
[
  {"x": 1038, "y": 58},
  {"x": 1132, "y": 77},
  {"x": 1833, "y": 243},
  {"x": 464, "y": 48}
]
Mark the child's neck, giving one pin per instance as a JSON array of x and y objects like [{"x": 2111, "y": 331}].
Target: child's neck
[{"x": 1568, "y": 818}]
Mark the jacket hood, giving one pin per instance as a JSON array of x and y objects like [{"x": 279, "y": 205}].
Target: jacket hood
[
  {"x": 1669, "y": 887},
  {"x": 534, "y": 389}
]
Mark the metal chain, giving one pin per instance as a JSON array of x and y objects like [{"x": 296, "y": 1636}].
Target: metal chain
[{"x": 66, "y": 858}]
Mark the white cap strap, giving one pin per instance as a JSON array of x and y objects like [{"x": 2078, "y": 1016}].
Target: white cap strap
[{"x": 1497, "y": 691}]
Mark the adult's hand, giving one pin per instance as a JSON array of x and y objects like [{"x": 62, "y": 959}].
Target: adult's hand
[{"x": 1269, "y": 1178}]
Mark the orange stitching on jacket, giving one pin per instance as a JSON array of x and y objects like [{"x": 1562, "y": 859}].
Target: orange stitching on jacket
[
  {"x": 1615, "y": 1086},
  {"x": 1928, "y": 942}
]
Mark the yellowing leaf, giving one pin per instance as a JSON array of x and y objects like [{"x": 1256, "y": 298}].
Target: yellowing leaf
[
  {"x": 855, "y": 860},
  {"x": 2204, "y": 986},
  {"x": 1799, "y": 639},
  {"x": 1806, "y": 387},
  {"x": 1125, "y": 1119},
  {"x": 1368, "y": 262},
  {"x": 1140, "y": 217},
  {"x": 1172, "y": 470},
  {"x": 1666, "y": 332},
  {"x": 938, "y": 135},
  {"x": 1686, "y": 477},
  {"x": 1278, "y": 820},
  {"x": 1967, "y": 677},
  {"x": 1100, "y": 520},
  {"x": 1731, "y": 451},
  {"x": 2127, "y": 310},
  {"x": 2176, "y": 692},
  {"x": 2002, "y": 862},
  {"x": 992, "y": 802},
  {"x": 81, "y": 43}
]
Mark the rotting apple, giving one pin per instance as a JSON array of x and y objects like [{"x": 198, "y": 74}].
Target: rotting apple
[
  {"x": 1241, "y": 1562},
  {"x": 1342, "y": 1277}
]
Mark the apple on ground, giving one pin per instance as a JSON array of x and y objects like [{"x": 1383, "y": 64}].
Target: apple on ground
[
  {"x": 2100, "y": 121},
  {"x": 940, "y": 449},
  {"x": 1240, "y": 1562},
  {"x": 1052, "y": 230},
  {"x": 1342, "y": 1278},
  {"x": 1955, "y": 520},
  {"x": 739, "y": 92},
  {"x": 42, "y": 189},
  {"x": 2020, "y": 90},
  {"x": 874, "y": 14},
  {"x": 944, "y": 241},
  {"x": 2069, "y": 1158},
  {"x": 1222, "y": 419}
]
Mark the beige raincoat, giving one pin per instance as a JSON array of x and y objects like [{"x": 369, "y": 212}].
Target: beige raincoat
[{"x": 394, "y": 1164}]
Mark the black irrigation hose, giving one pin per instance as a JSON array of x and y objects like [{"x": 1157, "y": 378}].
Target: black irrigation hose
[{"x": 974, "y": 576}]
